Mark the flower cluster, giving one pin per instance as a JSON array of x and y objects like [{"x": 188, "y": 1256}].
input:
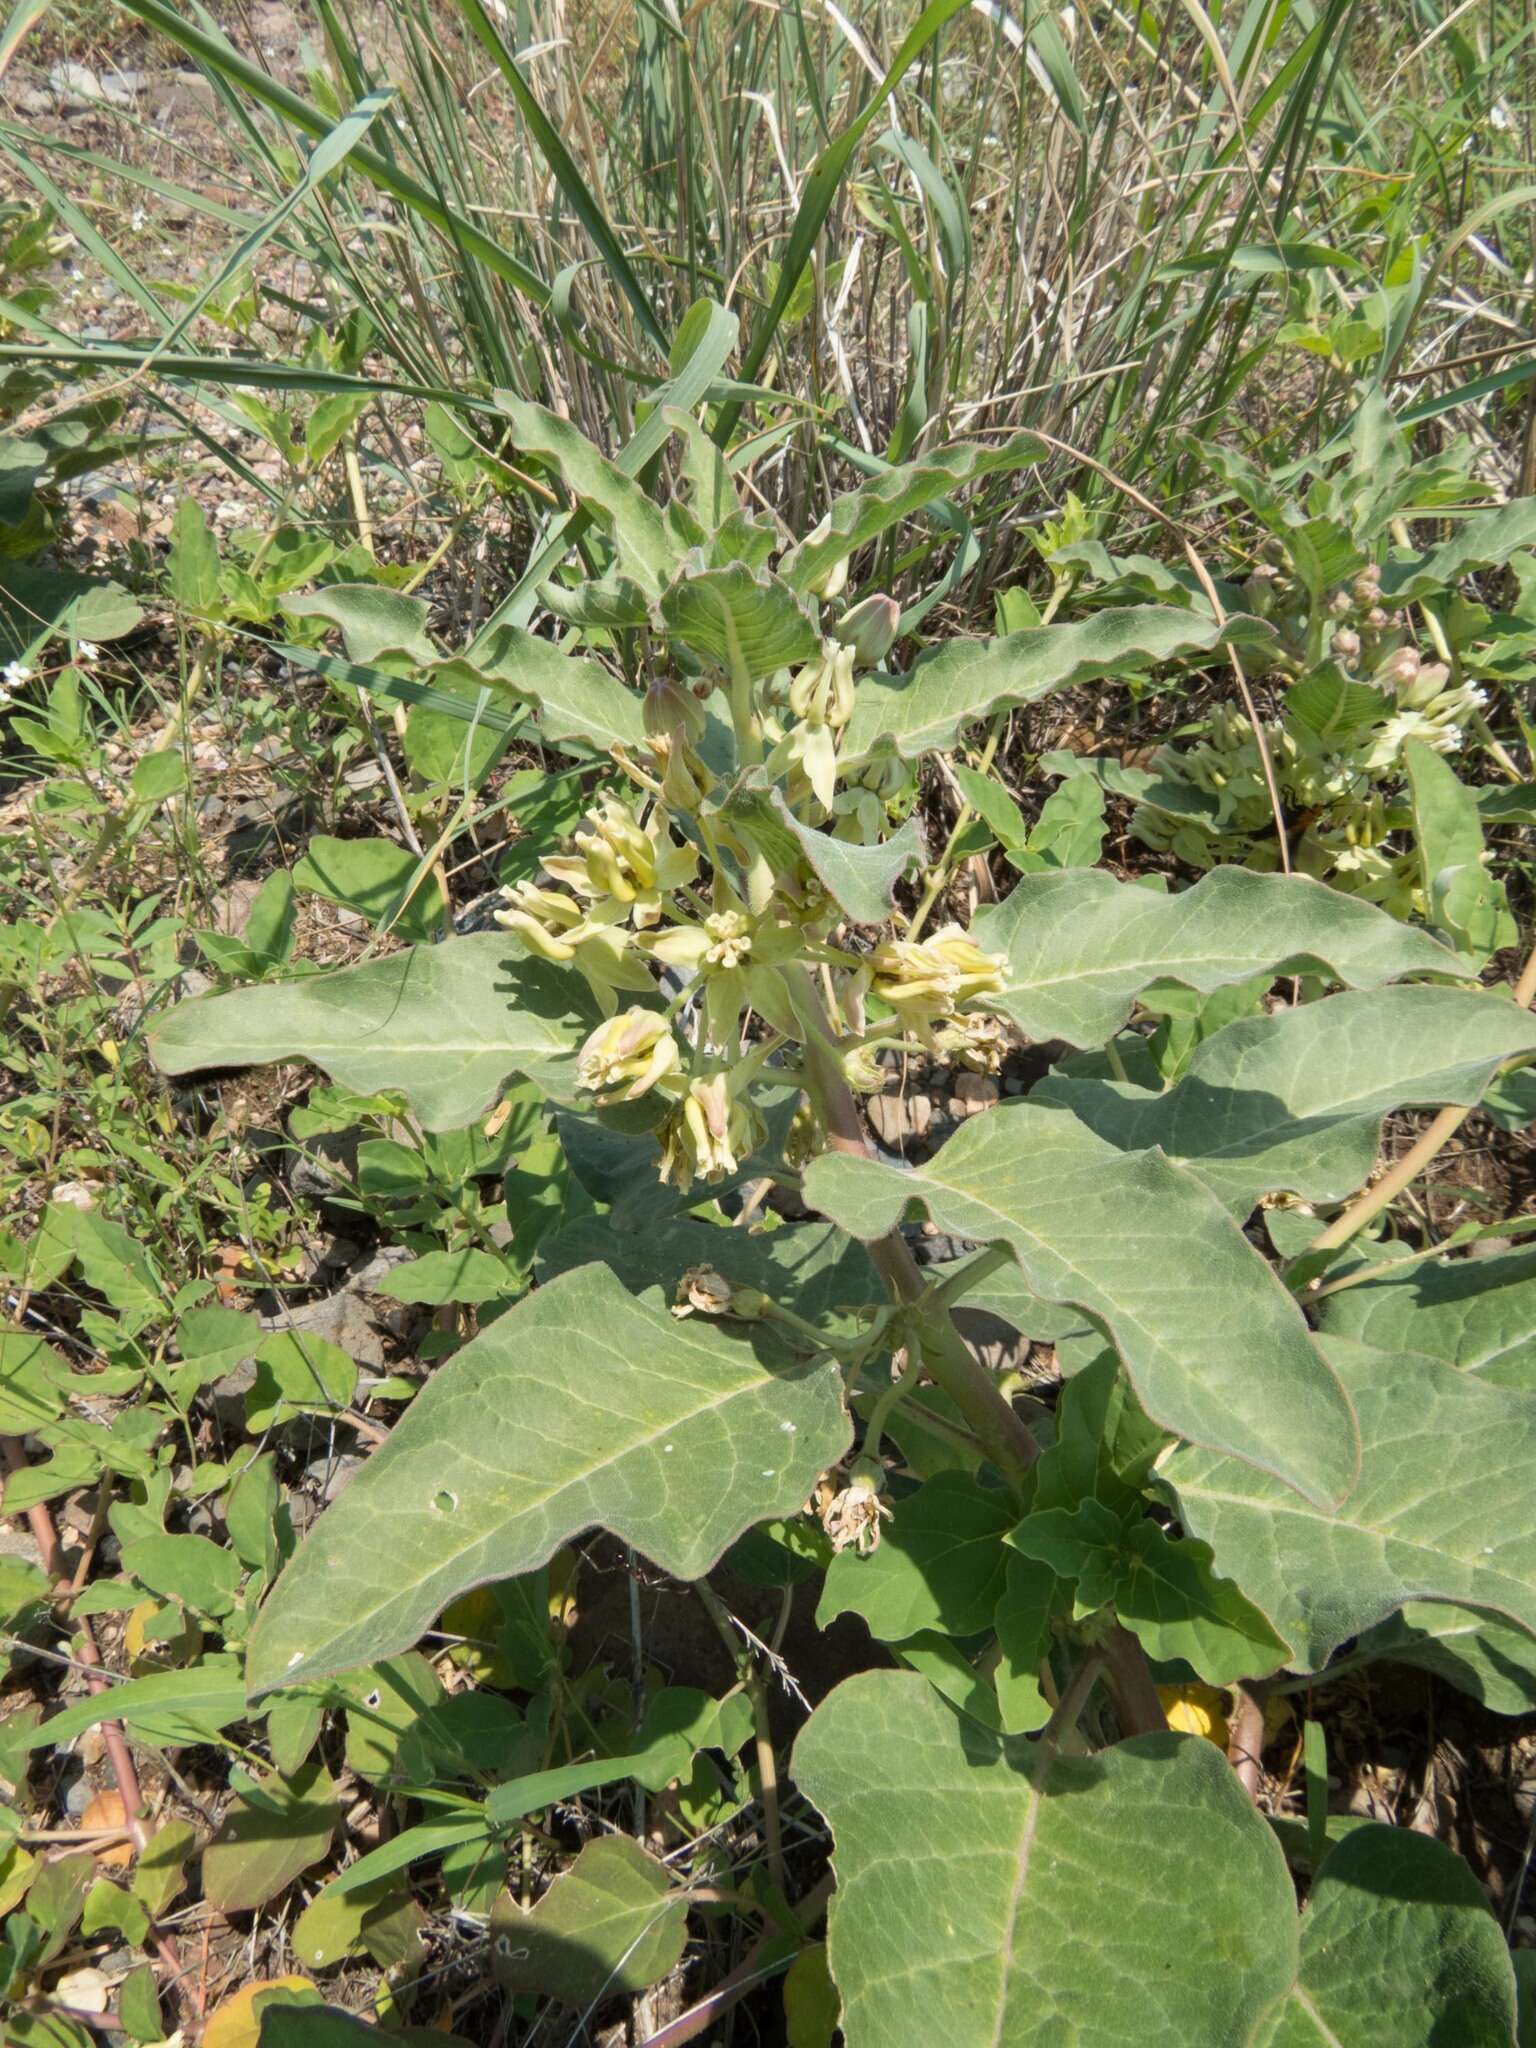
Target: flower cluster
[{"x": 1335, "y": 778}]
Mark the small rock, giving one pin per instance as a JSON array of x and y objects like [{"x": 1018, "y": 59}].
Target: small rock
[
  {"x": 341, "y": 1319},
  {"x": 20, "y": 1545},
  {"x": 78, "y": 1797},
  {"x": 75, "y": 84},
  {"x": 974, "y": 1092},
  {"x": 333, "y": 1475}
]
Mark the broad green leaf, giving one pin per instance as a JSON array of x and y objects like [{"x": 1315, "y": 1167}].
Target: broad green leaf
[
  {"x": 610, "y": 1924},
  {"x": 1030, "y": 1597},
  {"x": 112, "y": 1261},
  {"x": 374, "y": 622},
  {"x": 373, "y": 877},
  {"x": 927, "y": 708},
  {"x": 268, "y": 1836},
  {"x": 1151, "y": 1257},
  {"x": 1421, "y": 1523},
  {"x": 1081, "y": 946},
  {"x": 1476, "y": 1314},
  {"x": 860, "y": 515},
  {"x": 1466, "y": 901},
  {"x": 194, "y": 1571},
  {"x": 1476, "y": 1653},
  {"x": 580, "y": 1407},
  {"x": 297, "y": 1373},
  {"x": 734, "y": 614},
  {"x": 573, "y": 696},
  {"x": 463, "y": 1276},
  {"x": 1167, "y": 1593},
  {"x": 448, "y": 1025},
  {"x": 940, "y": 1564},
  {"x": 991, "y": 1894},
  {"x": 992, "y": 803},
  {"x": 634, "y": 522},
  {"x": 333, "y": 1924},
  {"x": 811, "y": 2005},
  {"x": 1069, "y": 833},
  {"x": 168, "y": 1706},
  {"x": 861, "y": 880},
  {"x": 1398, "y": 1950},
  {"x": 160, "y": 1870},
  {"x": 1333, "y": 706},
  {"x": 1484, "y": 541},
  {"x": 29, "y": 1395},
  {"x": 192, "y": 566},
  {"x": 1295, "y": 1100}
]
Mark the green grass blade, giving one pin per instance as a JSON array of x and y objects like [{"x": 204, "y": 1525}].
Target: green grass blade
[
  {"x": 567, "y": 176},
  {"x": 226, "y": 62},
  {"x": 821, "y": 189}
]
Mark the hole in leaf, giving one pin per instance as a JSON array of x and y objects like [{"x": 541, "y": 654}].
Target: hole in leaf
[{"x": 445, "y": 1502}]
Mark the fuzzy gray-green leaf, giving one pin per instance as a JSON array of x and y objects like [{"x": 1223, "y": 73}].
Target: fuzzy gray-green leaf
[
  {"x": 994, "y": 1895},
  {"x": 1422, "y": 1523},
  {"x": 1080, "y": 946},
  {"x": 1295, "y": 1100},
  {"x": 928, "y": 708},
  {"x": 1398, "y": 1950},
  {"x": 448, "y": 1025},
  {"x": 1151, "y": 1257},
  {"x": 582, "y": 1407}
]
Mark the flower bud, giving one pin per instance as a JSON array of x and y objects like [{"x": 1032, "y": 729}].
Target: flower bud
[
  {"x": 862, "y": 1069},
  {"x": 685, "y": 780},
  {"x": 1366, "y": 588},
  {"x": 627, "y": 1056},
  {"x": 869, "y": 629},
  {"x": 705, "y": 1292},
  {"x": 542, "y": 919},
  {"x": 833, "y": 581},
  {"x": 1400, "y": 668},
  {"x": 671, "y": 707},
  {"x": 1345, "y": 644}
]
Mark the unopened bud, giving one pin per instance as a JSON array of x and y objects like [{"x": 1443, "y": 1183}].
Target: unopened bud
[
  {"x": 832, "y": 581},
  {"x": 1345, "y": 643},
  {"x": 670, "y": 706},
  {"x": 1366, "y": 587},
  {"x": 869, "y": 629}
]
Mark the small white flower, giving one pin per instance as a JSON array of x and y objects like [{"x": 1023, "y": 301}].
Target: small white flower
[
  {"x": 1499, "y": 118},
  {"x": 87, "y": 650},
  {"x": 136, "y": 219},
  {"x": 15, "y": 676}
]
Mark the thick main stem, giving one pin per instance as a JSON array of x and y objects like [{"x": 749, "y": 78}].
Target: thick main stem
[{"x": 1009, "y": 1441}]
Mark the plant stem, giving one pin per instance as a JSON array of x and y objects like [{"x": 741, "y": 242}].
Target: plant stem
[
  {"x": 767, "y": 1764},
  {"x": 1072, "y": 1702},
  {"x": 1130, "y": 1680},
  {"x": 1009, "y": 1441}
]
